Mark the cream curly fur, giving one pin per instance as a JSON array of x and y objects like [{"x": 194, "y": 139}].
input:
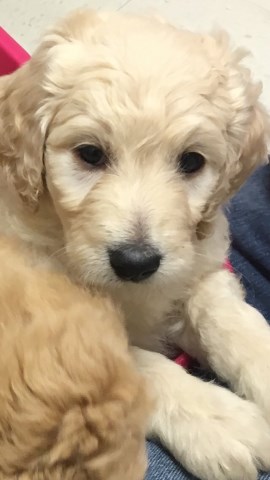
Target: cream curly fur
[{"x": 145, "y": 92}]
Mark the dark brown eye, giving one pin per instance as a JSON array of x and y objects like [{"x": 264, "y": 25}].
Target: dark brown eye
[
  {"x": 92, "y": 155},
  {"x": 190, "y": 162}
]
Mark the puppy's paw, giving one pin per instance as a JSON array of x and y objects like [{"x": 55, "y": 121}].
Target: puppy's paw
[
  {"x": 219, "y": 436},
  {"x": 233, "y": 443}
]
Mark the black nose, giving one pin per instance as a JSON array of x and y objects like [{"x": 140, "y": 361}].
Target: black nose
[{"x": 134, "y": 262}]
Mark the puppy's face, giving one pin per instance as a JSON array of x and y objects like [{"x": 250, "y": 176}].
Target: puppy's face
[{"x": 148, "y": 130}]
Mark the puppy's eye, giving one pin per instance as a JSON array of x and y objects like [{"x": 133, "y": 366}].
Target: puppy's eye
[
  {"x": 190, "y": 162},
  {"x": 92, "y": 155}
]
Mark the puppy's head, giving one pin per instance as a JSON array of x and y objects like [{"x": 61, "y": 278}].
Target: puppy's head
[{"x": 139, "y": 132}]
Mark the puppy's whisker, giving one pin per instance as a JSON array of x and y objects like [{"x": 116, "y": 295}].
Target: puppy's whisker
[
  {"x": 208, "y": 257},
  {"x": 58, "y": 253}
]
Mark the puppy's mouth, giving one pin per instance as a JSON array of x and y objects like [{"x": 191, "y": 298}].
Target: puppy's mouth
[{"x": 134, "y": 262}]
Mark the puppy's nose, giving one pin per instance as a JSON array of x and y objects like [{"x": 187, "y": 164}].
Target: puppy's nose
[{"x": 133, "y": 262}]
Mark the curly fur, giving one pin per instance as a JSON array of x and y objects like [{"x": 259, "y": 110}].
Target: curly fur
[
  {"x": 145, "y": 92},
  {"x": 72, "y": 405}
]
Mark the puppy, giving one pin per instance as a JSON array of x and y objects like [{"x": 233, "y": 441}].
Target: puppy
[
  {"x": 72, "y": 405},
  {"x": 120, "y": 141}
]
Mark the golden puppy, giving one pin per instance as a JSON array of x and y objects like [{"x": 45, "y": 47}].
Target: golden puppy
[
  {"x": 72, "y": 406},
  {"x": 119, "y": 143}
]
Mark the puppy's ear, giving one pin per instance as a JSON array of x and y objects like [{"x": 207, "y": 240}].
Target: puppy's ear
[
  {"x": 21, "y": 134},
  {"x": 29, "y": 99},
  {"x": 248, "y": 125},
  {"x": 253, "y": 151}
]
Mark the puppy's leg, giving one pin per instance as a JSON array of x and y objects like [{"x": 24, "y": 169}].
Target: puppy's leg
[
  {"x": 212, "y": 432},
  {"x": 234, "y": 336}
]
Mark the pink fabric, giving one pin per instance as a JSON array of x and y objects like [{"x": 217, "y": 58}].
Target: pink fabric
[
  {"x": 184, "y": 360},
  {"x": 228, "y": 266},
  {"x": 12, "y": 55}
]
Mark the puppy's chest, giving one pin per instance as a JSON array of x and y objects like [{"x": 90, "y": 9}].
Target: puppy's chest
[{"x": 157, "y": 331}]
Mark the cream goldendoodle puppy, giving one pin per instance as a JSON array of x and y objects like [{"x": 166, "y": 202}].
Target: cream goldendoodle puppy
[{"x": 120, "y": 141}]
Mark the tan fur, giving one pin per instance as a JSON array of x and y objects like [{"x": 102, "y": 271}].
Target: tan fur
[
  {"x": 146, "y": 92},
  {"x": 72, "y": 405}
]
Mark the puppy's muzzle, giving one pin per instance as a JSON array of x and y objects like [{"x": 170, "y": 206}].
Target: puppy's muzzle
[{"x": 134, "y": 262}]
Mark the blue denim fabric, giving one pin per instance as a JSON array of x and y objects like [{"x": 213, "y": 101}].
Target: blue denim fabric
[
  {"x": 249, "y": 216},
  {"x": 163, "y": 467}
]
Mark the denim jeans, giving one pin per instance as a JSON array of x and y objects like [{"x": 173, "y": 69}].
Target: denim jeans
[{"x": 249, "y": 216}]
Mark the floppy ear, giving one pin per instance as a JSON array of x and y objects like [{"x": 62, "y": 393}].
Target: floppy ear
[
  {"x": 21, "y": 137},
  {"x": 253, "y": 151},
  {"x": 22, "y": 127},
  {"x": 28, "y": 100},
  {"x": 247, "y": 132},
  {"x": 248, "y": 125}
]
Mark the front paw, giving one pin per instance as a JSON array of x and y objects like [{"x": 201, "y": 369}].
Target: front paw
[{"x": 218, "y": 436}]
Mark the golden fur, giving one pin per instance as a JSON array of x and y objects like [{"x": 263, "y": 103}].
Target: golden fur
[
  {"x": 146, "y": 92},
  {"x": 72, "y": 404}
]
